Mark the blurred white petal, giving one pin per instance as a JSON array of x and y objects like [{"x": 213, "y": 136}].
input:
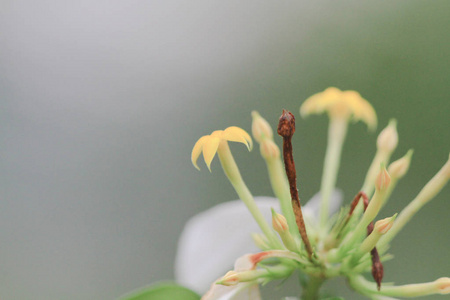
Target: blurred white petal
[
  {"x": 213, "y": 239},
  {"x": 241, "y": 291}
]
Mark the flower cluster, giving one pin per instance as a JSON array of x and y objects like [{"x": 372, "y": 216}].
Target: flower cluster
[{"x": 313, "y": 238}]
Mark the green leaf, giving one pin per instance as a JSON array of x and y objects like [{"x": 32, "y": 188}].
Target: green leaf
[
  {"x": 334, "y": 298},
  {"x": 162, "y": 291}
]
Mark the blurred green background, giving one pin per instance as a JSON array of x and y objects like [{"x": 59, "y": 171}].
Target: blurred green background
[{"x": 102, "y": 101}]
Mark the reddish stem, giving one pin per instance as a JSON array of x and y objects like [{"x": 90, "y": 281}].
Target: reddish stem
[{"x": 286, "y": 129}]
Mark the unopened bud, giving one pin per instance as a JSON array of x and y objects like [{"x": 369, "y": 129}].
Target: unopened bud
[
  {"x": 281, "y": 226},
  {"x": 388, "y": 137},
  {"x": 231, "y": 278},
  {"x": 443, "y": 285},
  {"x": 260, "y": 127},
  {"x": 269, "y": 149},
  {"x": 383, "y": 226},
  {"x": 382, "y": 183},
  {"x": 428, "y": 192},
  {"x": 398, "y": 168},
  {"x": 439, "y": 286},
  {"x": 370, "y": 242},
  {"x": 383, "y": 179},
  {"x": 279, "y": 222}
]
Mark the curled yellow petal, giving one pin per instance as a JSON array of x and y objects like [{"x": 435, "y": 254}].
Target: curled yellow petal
[
  {"x": 368, "y": 115},
  {"x": 209, "y": 149},
  {"x": 320, "y": 102},
  {"x": 209, "y": 144},
  {"x": 197, "y": 150},
  {"x": 236, "y": 134}
]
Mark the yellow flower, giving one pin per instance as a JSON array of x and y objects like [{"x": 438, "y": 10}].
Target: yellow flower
[
  {"x": 209, "y": 144},
  {"x": 341, "y": 104}
]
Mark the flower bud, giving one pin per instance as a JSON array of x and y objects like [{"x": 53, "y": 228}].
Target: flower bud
[
  {"x": 383, "y": 179},
  {"x": 383, "y": 226},
  {"x": 428, "y": 192},
  {"x": 260, "y": 127},
  {"x": 398, "y": 168},
  {"x": 281, "y": 226},
  {"x": 231, "y": 278},
  {"x": 269, "y": 149},
  {"x": 439, "y": 286},
  {"x": 279, "y": 222},
  {"x": 370, "y": 242},
  {"x": 443, "y": 285},
  {"x": 388, "y": 137}
]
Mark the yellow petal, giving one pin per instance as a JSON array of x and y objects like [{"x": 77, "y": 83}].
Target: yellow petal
[
  {"x": 236, "y": 134},
  {"x": 217, "y": 133},
  {"x": 198, "y": 147},
  {"x": 361, "y": 109},
  {"x": 345, "y": 104},
  {"x": 320, "y": 102},
  {"x": 369, "y": 116},
  {"x": 209, "y": 149}
]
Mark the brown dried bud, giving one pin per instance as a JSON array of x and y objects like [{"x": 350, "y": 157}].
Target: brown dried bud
[{"x": 286, "y": 124}]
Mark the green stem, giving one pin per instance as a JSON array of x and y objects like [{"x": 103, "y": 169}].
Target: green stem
[
  {"x": 312, "y": 288},
  {"x": 232, "y": 172},
  {"x": 280, "y": 188},
  {"x": 337, "y": 131},
  {"x": 369, "y": 182},
  {"x": 428, "y": 192}
]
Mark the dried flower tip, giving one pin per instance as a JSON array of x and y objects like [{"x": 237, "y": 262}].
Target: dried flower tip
[
  {"x": 260, "y": 127},
  {"x": 279, "y": 222},
  {"x": 388, "y": 137},
  {"x": 269, "y": 149},
  {"x": 400, "y": 167},
  {"x": 341, "y": 104},
  {"x": 286, "y": 124},
  {"x": 377, "y": 272},
  {"x": 383, "y": 179}
]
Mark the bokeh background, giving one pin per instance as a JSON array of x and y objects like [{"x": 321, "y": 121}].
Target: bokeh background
[{"x": 101, "y": 103}]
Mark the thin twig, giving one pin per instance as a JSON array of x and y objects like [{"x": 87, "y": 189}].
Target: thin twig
[{"x": 286, "y": 129}]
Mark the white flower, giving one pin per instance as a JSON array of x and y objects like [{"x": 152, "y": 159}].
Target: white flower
[{"x": 214, "y": 238}]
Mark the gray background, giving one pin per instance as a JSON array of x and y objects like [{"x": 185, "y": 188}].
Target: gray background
[{"x": 102, "y": 101}]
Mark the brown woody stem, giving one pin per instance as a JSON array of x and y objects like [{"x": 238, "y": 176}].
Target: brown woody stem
[
  {"x": 377, "y": 266},
  {"x": 286, "y": 129}
]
